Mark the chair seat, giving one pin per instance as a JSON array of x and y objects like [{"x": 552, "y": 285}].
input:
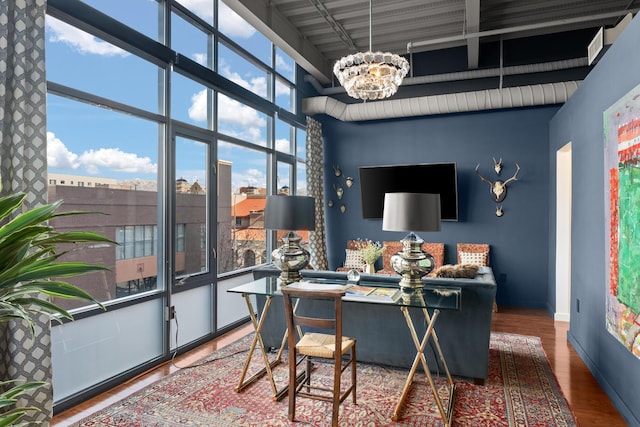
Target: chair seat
[
  {"x": 319, "y": 345},
  {"x": 322, "y": 345}
]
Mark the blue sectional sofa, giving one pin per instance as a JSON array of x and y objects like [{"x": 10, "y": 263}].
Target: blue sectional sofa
[{"x": 382, "y": 333}]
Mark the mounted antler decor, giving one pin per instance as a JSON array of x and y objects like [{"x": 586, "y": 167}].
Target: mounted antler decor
[
  {"x": 499, "y": 188},
  {"x": 497, "y": 166}
]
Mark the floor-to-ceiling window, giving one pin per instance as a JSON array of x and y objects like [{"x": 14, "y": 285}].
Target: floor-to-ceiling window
[{"x": 171, "y": 121}]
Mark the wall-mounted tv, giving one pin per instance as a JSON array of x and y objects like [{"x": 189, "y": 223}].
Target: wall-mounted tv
[{"x": 441, "y": 178}]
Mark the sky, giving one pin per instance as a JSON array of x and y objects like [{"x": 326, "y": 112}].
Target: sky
[{"x": 90, "y": 141}]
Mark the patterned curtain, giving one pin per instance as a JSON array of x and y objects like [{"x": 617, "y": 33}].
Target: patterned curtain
[
  {"x": 315, "y": 188},
  {"x": 23, "y": 168}
]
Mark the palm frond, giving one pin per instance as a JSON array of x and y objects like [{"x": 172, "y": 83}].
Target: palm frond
[{"x": 31, "y": 271}]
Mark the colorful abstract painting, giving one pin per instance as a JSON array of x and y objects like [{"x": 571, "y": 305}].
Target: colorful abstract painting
[{"x": 622, "y": 212}]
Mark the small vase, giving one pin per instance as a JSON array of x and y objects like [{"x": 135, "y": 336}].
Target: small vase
[{"x": 369, "y": 268}]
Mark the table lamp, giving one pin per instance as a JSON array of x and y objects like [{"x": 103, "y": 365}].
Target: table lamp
[
  {"x": 290, "y": 213},
  {"x": 411, "y": 212}
]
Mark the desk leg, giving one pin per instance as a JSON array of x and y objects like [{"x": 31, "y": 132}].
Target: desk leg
[
  {"x": 447, "y": 416},
  {"x": 257, "y": 339}
]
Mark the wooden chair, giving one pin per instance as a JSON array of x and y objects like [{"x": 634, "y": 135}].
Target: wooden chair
[
  {"x": 316, "y": 344},
  {"x": 436, "y": 250}
]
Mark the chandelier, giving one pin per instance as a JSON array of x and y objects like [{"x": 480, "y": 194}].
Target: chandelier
[{"x": 371, "y": 75}]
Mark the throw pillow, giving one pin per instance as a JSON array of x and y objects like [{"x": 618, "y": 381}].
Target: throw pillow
[
  {"x": 353, "y": 259},
  {"x": 475, "y": 258}
]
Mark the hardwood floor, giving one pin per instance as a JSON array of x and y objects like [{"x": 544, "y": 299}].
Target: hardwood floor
[{"x": 589, "y": 403}]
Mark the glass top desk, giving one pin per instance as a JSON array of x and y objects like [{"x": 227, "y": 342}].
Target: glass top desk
[{"x": 430, "y": 297}]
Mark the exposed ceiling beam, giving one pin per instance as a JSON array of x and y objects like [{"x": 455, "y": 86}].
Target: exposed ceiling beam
[
  {"x": 472, "y": 26},
  {"x": 335, "y": 25},
  {"x": 270, "y": 22},
  {"x": 520, "y": 28}
]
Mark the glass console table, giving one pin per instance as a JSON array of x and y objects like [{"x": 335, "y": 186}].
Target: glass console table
[{"x": 431, "y": 297}]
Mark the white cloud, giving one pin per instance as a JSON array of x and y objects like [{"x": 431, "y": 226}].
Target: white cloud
[
  {"x": 198, "y": 109},
  {"x": 116, "y": 160},
  {"x": 79, "y": 40},
  {"x": 235, "y": 119},
  {"x": 200, "y": 58},
  {"x": 248, "y": 134},
  {"x": 113, "y": 159},
  {"x": 283, "y": 145},
  {"x": 240, "y": 121},
  {"x": 253, "y": 177},
  {"x": 202, "y": 8},
  {"x": 257, "y": 85},
  {"x": 282, "y": 89},
  {"x": 58, "y": 155},
  {"x": 232, "y": 111},
  {"x": 255, "y": 135},
  {"x": 232, "y": 24},
  {"x": 282, "y": 65}
]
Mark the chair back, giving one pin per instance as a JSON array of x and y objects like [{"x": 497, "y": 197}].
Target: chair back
[
  {"x": 294, "y": 320},
  {"x": 317, "y": 344}
]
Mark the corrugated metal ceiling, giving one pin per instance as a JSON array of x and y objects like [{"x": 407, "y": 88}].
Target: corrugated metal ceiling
[{"x": 317, "y": 32}]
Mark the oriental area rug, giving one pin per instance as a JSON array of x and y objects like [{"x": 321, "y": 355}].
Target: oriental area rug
[{"x": 521, "y": 390}]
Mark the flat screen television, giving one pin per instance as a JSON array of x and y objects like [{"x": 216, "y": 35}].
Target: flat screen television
[{"x": 440, "y": 178}]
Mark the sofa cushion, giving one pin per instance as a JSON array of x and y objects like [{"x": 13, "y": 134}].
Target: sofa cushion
[
  {"x": 474, "y": 258},
  {"x": 353, "y": 259},
  {"x": 436, "y": 250}
]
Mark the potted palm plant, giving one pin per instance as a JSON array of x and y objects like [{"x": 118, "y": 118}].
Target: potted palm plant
[{"x": 30, "y": 272}]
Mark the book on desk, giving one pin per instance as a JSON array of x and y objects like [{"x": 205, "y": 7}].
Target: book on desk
[
  {"x": 372, "y": 294},
  {"x": 354, "y": 292},
  {"x": 319, "y": 286}
]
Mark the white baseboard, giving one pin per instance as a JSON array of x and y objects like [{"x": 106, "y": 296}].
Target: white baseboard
[{"x": 561, "y": 317}]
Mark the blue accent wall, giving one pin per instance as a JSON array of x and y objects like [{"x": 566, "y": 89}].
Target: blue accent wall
[
  {"x": 580, "y": 121},
  {"x": 518, "y": 239},
  {"x": 523, "y": 240}
]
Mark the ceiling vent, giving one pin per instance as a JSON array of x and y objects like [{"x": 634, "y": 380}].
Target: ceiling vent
[
  {"x": 596, "y": 46},
  {"x": 605, "y": 38}
]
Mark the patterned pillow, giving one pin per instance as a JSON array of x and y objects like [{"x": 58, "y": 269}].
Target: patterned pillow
[
  {"x": 474, "y": 258},
  {"x": 353, "y": 259}
]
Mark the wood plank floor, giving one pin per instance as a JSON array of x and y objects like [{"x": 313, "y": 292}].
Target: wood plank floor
[{"x": 589, "y": 403}]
